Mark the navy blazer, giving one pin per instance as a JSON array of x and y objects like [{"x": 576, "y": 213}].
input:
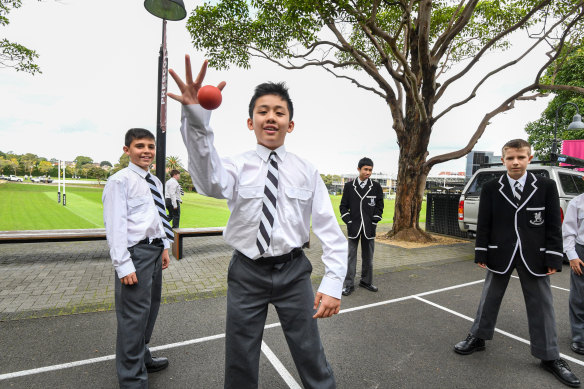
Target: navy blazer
[
  {"x": 532, "y": 229},
  {"x": 361, "y": 208}
]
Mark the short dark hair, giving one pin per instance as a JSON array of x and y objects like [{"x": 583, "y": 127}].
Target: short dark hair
[
  {"x": 137, "y": 133},
  {"x": 516, "y": 144},
  {"x": 174, "y": 172},
  {"x": 365, "y": 162},
  {"x": 271, "y": 88}
]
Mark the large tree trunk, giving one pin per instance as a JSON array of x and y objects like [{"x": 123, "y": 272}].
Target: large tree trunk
[{"x": 411, "y": 180}]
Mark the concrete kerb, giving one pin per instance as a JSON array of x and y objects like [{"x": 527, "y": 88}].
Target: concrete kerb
[{"x": 54, "y": 279}]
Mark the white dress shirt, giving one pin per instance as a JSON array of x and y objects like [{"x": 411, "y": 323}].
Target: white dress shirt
[
  {"x": 521, "y": 181},
  {"x": 172, "y": 191},
  {"x": 573, "y": 227},
  {"x": 241, "y": 180},
  {"x": 130, "y": 215},
  {"x": 362, "y": 183}
]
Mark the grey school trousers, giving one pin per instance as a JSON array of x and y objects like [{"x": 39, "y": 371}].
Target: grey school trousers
[
  {"x": 367, "y": 249},
  {"x": 577, "y": 301},
  {"x": 136, "y": 310},
  {"x": 538, "y": 302},
  {"x": 251, "y": 286}
]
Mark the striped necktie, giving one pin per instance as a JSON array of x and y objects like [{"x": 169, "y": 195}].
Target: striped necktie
[
  {"x": 160, "y": 206},
  {"x": 269, "y": 205},
  {"x": 517, "y": 193}
]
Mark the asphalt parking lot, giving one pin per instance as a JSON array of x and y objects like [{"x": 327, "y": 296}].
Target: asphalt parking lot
[{"x": 400, "y": 337}]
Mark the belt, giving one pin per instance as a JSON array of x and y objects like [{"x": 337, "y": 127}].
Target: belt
[
  {"x": 155, "y": 241},
  {"x": 295, "y": 253}
]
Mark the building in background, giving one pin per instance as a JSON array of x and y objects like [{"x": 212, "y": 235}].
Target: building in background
[
  {"x": 388, "y": 183},
  {"x": 475, "y": 160}
]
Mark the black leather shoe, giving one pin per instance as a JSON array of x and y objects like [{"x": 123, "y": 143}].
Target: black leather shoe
[
  {"x": 561, "y": 370},
  {"x": 348, "y": 290},
  {"x": 470, "y": 345},
  {"x": 577, "y": 347},
  {"x": 157, "y": 364},
  {"x": 369, "y": 287}
]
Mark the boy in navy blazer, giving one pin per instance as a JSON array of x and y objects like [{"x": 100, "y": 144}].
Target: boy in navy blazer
[
  {"x": 361, "y": 209},
  {"x": 519, "y": 227}
]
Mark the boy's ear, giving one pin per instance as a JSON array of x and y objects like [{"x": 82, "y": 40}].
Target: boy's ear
[
  {"x": 291, "y": 126},
  {"x": 126, "y": 150},
  {"x": 250, "y": 124},
  {"x": 530, "y": 158}
]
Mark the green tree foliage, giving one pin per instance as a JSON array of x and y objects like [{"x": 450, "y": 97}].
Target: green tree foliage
[
  {"x": 97, "y": 172},
  {"x": 45, "y": 167},
  {"x": 12, "y": 54},
  {"x": 123, "y": 162},
  {"x": 541, "y": 131},
  {"x": 173, "y": 162},
  {"x": 80, "y": 160},
  {"x": 405, "y": 49},
  {"x": 105, "y": 163},
  {"x": 29, "y": 162}
]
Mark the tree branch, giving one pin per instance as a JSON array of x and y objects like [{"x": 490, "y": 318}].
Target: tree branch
[
  {"x": 472, "y": 95},
  {"x": 478, "y": 56},
  {"x": 505, "y": 106}
]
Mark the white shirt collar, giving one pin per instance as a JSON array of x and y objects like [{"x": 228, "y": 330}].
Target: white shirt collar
[
  {"x": 521, "y": 180},
  {"x": 264, "y": 153},
  {"x": 137, "y": 169},
  {"x": 361, "y": 182}
]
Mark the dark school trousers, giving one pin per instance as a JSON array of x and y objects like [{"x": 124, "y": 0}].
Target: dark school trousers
[
  {"x": 136, "y": 311},
  {"x": 251, "y": 286},
  {"x": 538, "y": 302},
  {"x": 173, "y": 214},
  {"x": 577, "y": 301},
  {"x": 367, "y": 249}
]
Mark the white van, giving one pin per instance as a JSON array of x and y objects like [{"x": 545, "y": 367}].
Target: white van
[{"x": 570, "y": 184}]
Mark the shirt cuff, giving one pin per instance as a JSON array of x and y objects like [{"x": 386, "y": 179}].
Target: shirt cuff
[
  {"x": 125, "y": 269},
  {"x": 572, "y": 254},
  {"x": 166, "y": 243},
  {"x": 331, "y": 287}
]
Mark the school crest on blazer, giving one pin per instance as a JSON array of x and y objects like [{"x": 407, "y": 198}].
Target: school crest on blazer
[{"x": 530, "y": 228}]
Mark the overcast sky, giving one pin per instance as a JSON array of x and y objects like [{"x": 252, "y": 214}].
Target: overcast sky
[{"x": 99, "y": 61}]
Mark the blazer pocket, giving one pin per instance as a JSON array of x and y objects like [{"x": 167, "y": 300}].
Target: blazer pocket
[{"x": 535, "y": 216}]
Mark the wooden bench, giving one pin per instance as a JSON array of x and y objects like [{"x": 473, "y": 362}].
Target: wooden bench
[
  {"x": 180, "y": 233},
  {"x": 34, "y": 236}
]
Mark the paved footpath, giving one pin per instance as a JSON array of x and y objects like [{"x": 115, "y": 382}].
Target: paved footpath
[{"x": 53, "y": 279}]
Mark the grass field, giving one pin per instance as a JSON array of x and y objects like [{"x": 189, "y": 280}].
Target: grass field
[{"x": 35, "y": 207}]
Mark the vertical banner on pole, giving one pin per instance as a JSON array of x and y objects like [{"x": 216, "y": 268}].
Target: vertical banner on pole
[
  {"x": 64, "y": 195},
  {"x": 164, "y": 79},
  {"x": 59, "y": 182}
]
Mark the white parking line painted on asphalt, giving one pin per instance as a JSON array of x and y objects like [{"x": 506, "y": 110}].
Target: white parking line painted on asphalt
[
  {"x": 556, "y": 287},
  {"x": 408, "y": 297},
  {"x": 273, "y": 325},
  {"x": 508, "y": 334},
  {"x": 285, "y": 374}
]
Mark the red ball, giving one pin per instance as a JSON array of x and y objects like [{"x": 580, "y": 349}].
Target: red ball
[{"x": 209, "y": 97}]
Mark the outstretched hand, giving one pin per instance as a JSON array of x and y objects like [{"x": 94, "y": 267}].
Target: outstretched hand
[
  {"x": 328, "y": 305},
  {"x": 190, "y": 89}
]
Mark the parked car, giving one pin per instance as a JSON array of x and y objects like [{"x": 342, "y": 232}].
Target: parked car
[
  {"x": 46, "y": 179},
  {"x": 35, "y": 179},
  {"x": 570, "y": 183},
  {"x": 15, "y": 178}
]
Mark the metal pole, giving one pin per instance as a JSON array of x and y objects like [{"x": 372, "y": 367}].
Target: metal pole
[
  {"x": 58, "y": 182},
  {"x": 64, "y": 196},
  {"x": 161, "y": 109}
]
